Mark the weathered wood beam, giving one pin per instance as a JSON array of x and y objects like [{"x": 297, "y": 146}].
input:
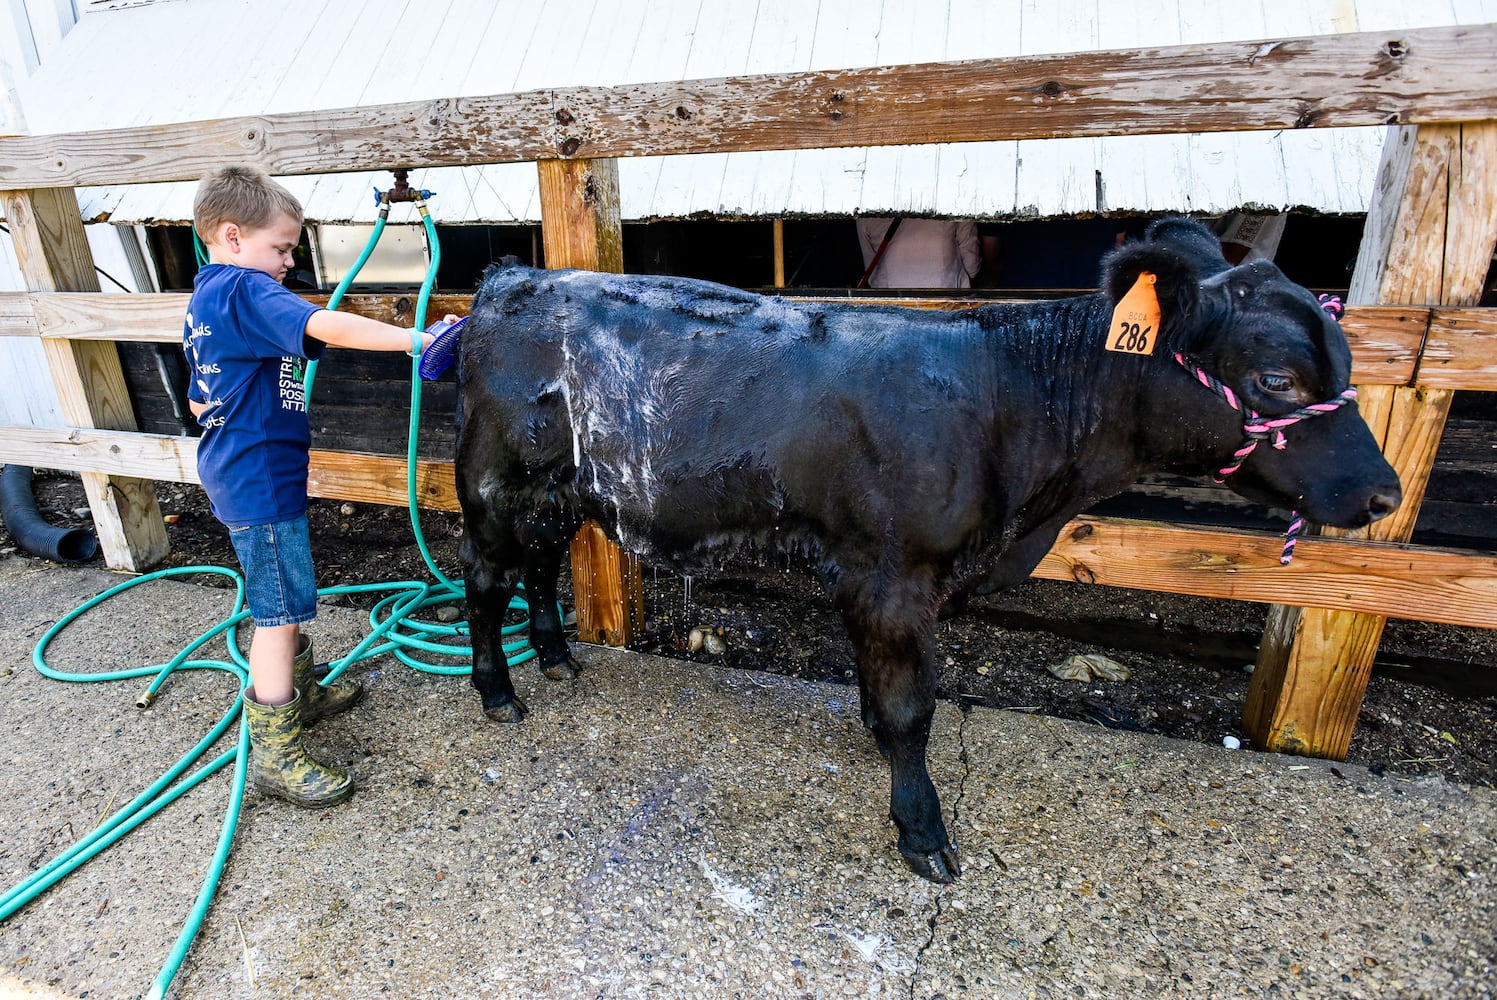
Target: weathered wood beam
[
  {"x": 17, "y": 315},
  {"x": 1384, "y": 340},
  {"x": 158, "y": 457},
  {"x": 581, "y": 227},
  {"x": 1428, "y": 241},
  {"x": 1460, "y": 351},
  {"x": 54, "y": 256},
  {"x": 1456, "y": 588},
  {"x": 778, "y": 251},
  {"x": 1367, "y": 78},
  {"x": 348, "y": 475},
  {"x": 156, "y": 318},
  {"x": 334, "y": 475},
  {"x": 580, "y": 221}
]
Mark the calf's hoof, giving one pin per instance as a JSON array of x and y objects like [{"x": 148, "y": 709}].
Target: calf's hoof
[
  {"x": 942, "y": 866},
  {"x": 509, "y": 711},
  {"x": 562, "y": 670}
]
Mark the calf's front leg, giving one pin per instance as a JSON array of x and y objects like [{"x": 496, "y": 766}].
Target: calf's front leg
[
  {"x": 897, "y": 680},
  {"x": 491, "y": 572}
]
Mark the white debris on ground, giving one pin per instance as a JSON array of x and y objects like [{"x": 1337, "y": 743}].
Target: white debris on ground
[
  {"x": 737, "y": 897},
  {"x": 877, "y": 950}
]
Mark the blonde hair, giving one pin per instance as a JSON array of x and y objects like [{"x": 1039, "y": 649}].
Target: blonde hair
[{"x": 242, "y": 195}]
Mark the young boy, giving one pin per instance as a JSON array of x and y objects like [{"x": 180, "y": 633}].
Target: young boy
[{"x": 247, "y": 341}]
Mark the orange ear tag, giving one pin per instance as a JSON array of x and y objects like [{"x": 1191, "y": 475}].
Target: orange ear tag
[{"x": 1135, "y": 319}]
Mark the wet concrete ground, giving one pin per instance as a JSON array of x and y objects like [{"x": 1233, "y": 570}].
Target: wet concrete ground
[{"x": 660, "y": 829}]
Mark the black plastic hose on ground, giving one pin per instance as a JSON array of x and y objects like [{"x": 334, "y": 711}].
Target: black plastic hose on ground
[{"x": 31, "y": 532}]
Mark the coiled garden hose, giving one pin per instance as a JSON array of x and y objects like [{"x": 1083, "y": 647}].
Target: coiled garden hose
[{"x": 394, "y": 628}]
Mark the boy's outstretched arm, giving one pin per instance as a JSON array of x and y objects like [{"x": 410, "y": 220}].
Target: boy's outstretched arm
[{"x": 341, "y": 329}]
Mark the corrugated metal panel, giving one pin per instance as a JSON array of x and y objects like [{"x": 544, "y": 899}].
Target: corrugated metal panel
[{"x": 294, "y": 55}]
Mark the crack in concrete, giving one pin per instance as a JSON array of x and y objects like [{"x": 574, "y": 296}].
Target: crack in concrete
[{"x": 956, "y": 806}]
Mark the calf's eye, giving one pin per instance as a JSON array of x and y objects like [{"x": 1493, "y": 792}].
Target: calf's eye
[{"x": 1276, "y": 384}]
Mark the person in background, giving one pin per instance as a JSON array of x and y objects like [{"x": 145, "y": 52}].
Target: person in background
[{"x": 921, "y": 253}]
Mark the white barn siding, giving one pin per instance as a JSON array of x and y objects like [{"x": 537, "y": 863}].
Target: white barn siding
[
  {"x": 29, "y": 30},
  {"x": 25, "y": 403}
]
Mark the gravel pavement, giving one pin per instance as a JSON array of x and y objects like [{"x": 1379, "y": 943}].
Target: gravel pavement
[{"x": 664, "y": 829}]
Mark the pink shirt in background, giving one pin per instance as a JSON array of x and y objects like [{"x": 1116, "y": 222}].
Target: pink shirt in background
[{"x": 925, "y": 253}]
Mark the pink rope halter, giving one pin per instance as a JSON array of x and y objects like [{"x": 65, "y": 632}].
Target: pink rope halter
[{"x": 1259, "y": 428}]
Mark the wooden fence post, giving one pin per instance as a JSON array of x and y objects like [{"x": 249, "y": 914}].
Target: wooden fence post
[
  {"x": 1428, "y": 241},
  {"x": 53, "y": 252},
  {"x": 581, "y": 227},
  {"x": 779, "y": 253}
]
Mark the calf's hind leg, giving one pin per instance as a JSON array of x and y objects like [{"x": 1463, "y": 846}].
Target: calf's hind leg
[{"x": 496, "y": 558}]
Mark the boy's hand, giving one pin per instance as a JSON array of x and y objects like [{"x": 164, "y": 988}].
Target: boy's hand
[{"x": 428, "y": 338}]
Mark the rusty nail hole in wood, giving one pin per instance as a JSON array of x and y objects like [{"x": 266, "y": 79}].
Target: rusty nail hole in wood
[
  {"x": 1052, "y": 89},
  {"x": 564, "y": 117},
  {"x": 570, "y": 146},
  {"x": 1395, "y": 49}
]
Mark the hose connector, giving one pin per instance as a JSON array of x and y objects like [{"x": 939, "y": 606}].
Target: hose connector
[
  {"x": 402, "y": 191},
  {"x": 146, "y": 697}
]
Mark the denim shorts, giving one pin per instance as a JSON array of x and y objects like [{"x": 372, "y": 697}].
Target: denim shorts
[{"x": 278, "y": 580}]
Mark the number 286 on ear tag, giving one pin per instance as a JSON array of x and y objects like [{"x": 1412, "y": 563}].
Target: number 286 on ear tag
[{"x": 1135, "y": 319}]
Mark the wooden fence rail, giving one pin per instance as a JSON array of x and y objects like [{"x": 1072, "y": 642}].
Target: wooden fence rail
[
  {"x": 1415, "y": 332},
  {"x": 1457, "y": 587},
  {"x": 1459, "y": 344},
  {"x": 1369, "y": 78}
]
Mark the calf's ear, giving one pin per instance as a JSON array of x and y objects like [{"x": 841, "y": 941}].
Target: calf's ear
[
  {"x": 1192, "y": 239},
  {"x": 1177, "y": 285}
]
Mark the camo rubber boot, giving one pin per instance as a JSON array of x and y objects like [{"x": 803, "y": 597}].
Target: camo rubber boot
[
  {"x": 280, "y": 765},
  {"x": 321, "y": 700}
]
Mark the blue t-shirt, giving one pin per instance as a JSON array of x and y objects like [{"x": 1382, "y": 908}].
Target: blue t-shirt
[{"x": 247, "y": 350}]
